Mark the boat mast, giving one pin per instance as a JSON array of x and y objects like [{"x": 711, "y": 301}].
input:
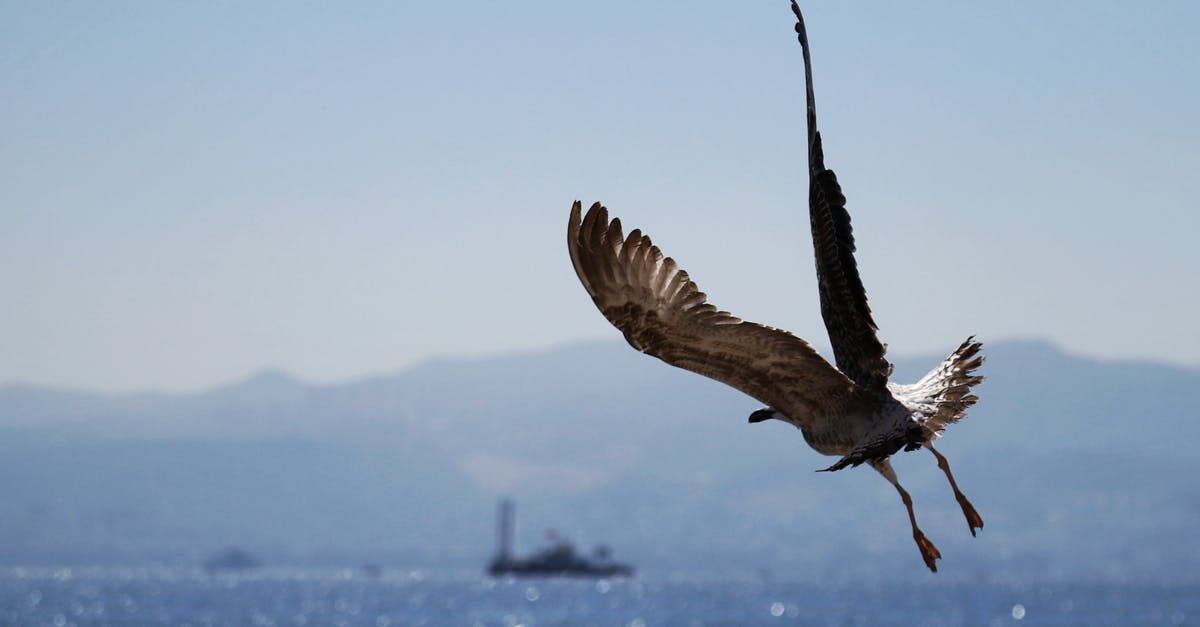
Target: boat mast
[{"x": 504, "y": 530}]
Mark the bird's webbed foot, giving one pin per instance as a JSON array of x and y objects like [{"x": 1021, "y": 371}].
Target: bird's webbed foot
[
  {"x": 974, "y": 520},
  {"x": 929, "y": 552}
]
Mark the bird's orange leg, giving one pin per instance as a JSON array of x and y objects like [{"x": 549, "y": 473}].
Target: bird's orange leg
[
  {"x": 974, "y": 521},
  {"x": 929, "y": 552}
]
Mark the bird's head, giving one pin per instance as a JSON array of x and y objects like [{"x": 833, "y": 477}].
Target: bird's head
[{"x": 763, "y": 414}]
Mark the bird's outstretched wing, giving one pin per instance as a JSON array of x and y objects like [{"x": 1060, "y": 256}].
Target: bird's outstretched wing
[
  {"x": 852, "y": 331},
  {"x": 663, "y": 313}
]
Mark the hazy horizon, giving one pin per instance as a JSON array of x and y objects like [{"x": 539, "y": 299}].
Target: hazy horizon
[{"x": 269, "y": 370}]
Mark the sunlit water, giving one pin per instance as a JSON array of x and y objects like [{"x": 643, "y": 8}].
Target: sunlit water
[{"x": 287, "y": 597}]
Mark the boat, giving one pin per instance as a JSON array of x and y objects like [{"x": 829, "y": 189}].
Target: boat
[
  {"x": 558, "y": 559},
  {"x": 231, "y": 559}
]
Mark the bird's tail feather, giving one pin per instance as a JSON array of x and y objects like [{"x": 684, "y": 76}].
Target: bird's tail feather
[
  {"x": 947, "y": 388},
  {"x": 941, "y": 398}
]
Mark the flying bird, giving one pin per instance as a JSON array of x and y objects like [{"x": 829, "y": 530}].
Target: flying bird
[{"x": 851, "y": 410}]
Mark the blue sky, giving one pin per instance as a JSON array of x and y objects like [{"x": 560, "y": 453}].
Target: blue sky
[{"x": 191, "y": 192}]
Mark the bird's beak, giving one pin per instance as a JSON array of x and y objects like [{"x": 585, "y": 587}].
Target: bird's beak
[{"x": 761, "y": 415}]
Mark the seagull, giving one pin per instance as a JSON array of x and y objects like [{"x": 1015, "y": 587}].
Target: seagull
[{"x": 850, "y": 410}]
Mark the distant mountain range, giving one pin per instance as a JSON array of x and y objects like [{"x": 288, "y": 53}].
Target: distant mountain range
[{"x": 1079, "y": 467}]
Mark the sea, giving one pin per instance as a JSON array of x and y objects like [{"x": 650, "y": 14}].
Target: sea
[{"x": 174, "y": 596}]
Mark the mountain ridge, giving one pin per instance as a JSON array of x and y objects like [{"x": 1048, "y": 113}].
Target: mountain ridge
[{"x": 1060, "y": 453}]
